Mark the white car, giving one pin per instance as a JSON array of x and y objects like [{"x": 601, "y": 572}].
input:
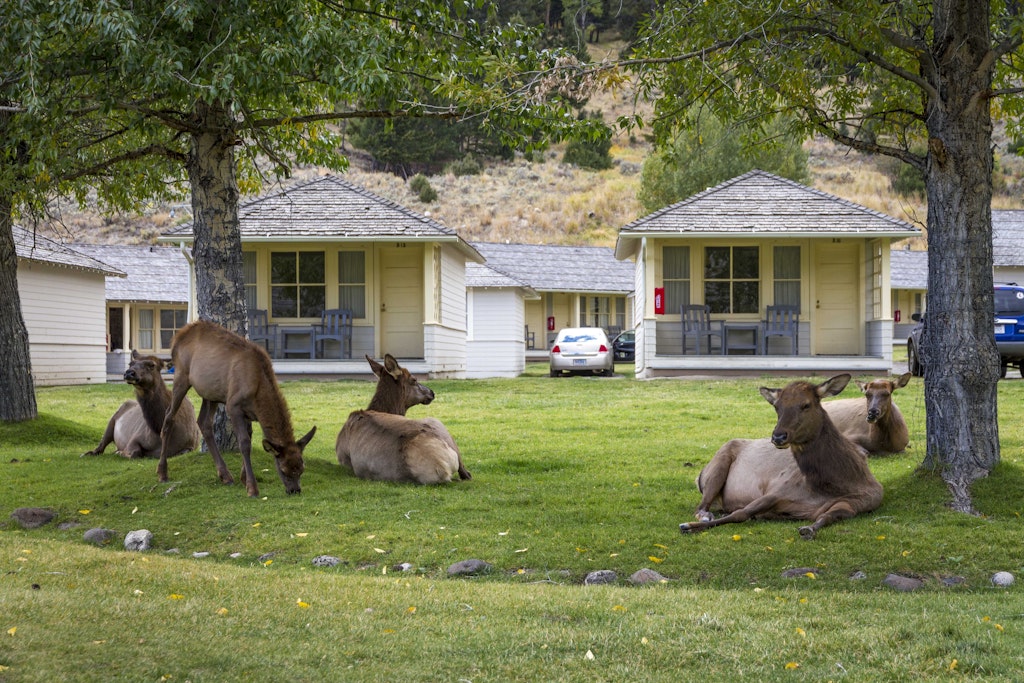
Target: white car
[{"x": 582, "y": 349}]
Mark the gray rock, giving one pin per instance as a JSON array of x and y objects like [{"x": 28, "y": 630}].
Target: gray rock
[
  {"x": 266, "y": 556},
  {"x": 469, "y": 568},
  {"x": 33, "y": 518},
  {"x": 1002, "y": 579},
  {"x": 797, "y": 572},
  {"x": 950, "y": 581},
  {"x": 201, "y": 554},
  {"x": 326, "y": 561},
  {"x": 858, "y": 576},
  {"x": 904, "y": 584},
  {"x": 645, "y": 575},
  {"x": 138, "y": 540},
  {"x": 235, "y": 556},
  {"x": 403, "y": 567},
  {"x": 99, "y": 536},
  {"x": 600, "y": 576}
]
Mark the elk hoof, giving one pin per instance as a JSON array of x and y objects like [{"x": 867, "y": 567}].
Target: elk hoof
[
  {"x": 808, "y": 533},
  {"x": 688, "y": 528},
  {"x": 704, "y": 516}
]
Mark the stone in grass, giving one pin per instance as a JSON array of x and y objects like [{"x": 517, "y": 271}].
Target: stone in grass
[
  {"x": 1002, "y": 579},
  {"x": 469, "y": 568},
  {"x": 600, "y": 576},
  {"x": 99, "y": 536},
  {"x": 904, "y": 584},
  {"x": 326, "y": 561},
  {"x": 645, "y": 576},
  {"x": 138, "y": 540},
  {"x": 33, "y": 518},
  {"x": 797, "y": 572}
]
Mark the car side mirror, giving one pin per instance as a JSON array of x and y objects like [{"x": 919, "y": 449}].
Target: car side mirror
[{"x": 917, "y": 317}]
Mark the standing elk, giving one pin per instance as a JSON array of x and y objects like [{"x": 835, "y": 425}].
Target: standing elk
[
  {"x": 807, "y": 470},
  {"x": 874, "y": 422},
  {"x": 381, "y": 443},
  {"x": 135, "y": 427},
  {"x": 226, "y": 369}
]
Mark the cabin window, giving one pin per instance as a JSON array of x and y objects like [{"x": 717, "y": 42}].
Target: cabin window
[
  {"x": 676, "y": 277},
  {"x": 146, "y": 320},
  {"x": 298, "y": 286},
  {"x": 249, "y": 277},
  {"x": 786, "y": 271},
  {"x": 171, "y": 320},
  {"x": 732, "y": 279},
  {"x": 594, "y": 311},
  {"x": 352, "y": 282}
]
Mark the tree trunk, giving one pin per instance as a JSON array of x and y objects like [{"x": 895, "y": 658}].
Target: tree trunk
[
  {"x": 958, "y": 349},
  {"x": 17, "y": 389},
  {"x": 217, "y": 246}
]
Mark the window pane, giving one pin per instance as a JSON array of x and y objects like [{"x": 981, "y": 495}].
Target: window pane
[
  {"x": 311, "y": 301},
  {"x": 677, "y": 294},
  {"x": 166, "y": 318},
  {"x": 249, "y": 267},
  {"x": 745, "y": 297},
  {"x": 351, "y": 267},
  {"x": 716, "y": 295},
  {"x": 282, "y": 267},
  {"x": 165, "y": 338},
  {"x": 745, "y": 262},
  {"x": 284, "y": 302},
  {"x": 353, "y": 297},
  {"x": 787, "y": 263},
  {"x": 787, "y": 294},
  {"x": 677, "y": 263},
  {"x": 311, "y": 266},
  {"x": 716, "y": 263}
]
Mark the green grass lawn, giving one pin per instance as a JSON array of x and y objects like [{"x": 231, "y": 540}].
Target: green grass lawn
[{"x": 570, "y": 475}]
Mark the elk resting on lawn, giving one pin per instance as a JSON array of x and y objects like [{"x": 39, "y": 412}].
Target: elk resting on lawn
[
  {"x": 381, "y": 443},
  {"x": 226, "y": 369},
  {"x": 874, "y": 422},
  {"x": 807, "y": 470},
  {"x": 135, "y": 427}
]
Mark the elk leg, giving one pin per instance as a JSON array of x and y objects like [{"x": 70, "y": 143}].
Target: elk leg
[
  {"x": 711, "y": 482},
  {"x": 108, "y": 435},
  {"x": 205, "y": 421},
  {"x": 837, "y": 511},
  {"x": 751, "y": 509},
  {"x": 243, "y": 433},
  {"x": 178, "y": 391}
]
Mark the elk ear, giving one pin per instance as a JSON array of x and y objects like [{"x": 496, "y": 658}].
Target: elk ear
[
  {"x": 863, "y": 386},
  {"x": 135, "y": 354},
  {"x": 392, "y": 366},
  {"x": 770, "y": 395},
  {"x": 272, "y": 448},
  {"x": 833, "y": 386},
  {"x": 901, "y": 381},
  {"x": 307, "y": 438},
  {"x": 375, "y": 366}
]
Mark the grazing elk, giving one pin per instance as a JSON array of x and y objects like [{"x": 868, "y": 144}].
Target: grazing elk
[
  {"x": 381, "y": 443},
  {"x": 135, "y": 427},
  {"x": 874, "y": 422},
  {"x": 807, "y": 470},
  {"x": 225, "y": 368}
]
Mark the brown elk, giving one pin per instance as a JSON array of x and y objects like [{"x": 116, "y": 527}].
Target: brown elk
[
  {"x": 135, "y": 427},
  {"x": 226, "y": 369},
  {"x": 807, "y": 470},
  {"x": 874, "y": 422},
  {"x": 381, "y": 443}
]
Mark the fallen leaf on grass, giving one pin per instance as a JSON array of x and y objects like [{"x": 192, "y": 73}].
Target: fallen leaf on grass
[
  {"x": 222, "y": 611},
  {"x": 84, "y": 512},
  {"x": 800, "y": 632},
  {"x": 792, "y": 665},
  {"x": 656, "y": 560},
  {"x": 175, "y": 596},
  {"x": 589, "y": 656},
  {"x": 12, "y": 630},
  {"x": 301, "y": 604}
]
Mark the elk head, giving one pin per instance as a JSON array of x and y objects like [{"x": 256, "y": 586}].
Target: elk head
[
  {"x": 879, "y": 395},
  {"x": 288, "y": 460},
  {"x": 798, "y": 407}
]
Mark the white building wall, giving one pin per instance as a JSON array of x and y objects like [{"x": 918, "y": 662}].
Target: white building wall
[
  {"x": 444, "y": 339},
  {"x": 496, "y": 346},
  {"x": 65, "y": 314}
]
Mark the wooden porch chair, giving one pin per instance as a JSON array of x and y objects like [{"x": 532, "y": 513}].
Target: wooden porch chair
[
  {"x": 782, "y": 321},
  {"x": 531, "y": 338},
  {"x": 697, "y": 323},
  {"x": 335, "y": 324},
  {"x": 261, "y": 331}
]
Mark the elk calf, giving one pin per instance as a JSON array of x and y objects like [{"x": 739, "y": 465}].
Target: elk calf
[
  {"x": 874, "y": 422},
  {"x": 807, "y": 470},
  {"x": 135, "y": 427},
  {"x": 381, "y": 443}
]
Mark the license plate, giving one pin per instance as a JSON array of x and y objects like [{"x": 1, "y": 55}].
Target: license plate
[
  {"x": 1000, "y": 329},
  {"x": 579, "y": 361}
]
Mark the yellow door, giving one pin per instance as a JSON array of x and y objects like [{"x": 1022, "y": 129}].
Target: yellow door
[
  {"x": 838, "y": 296},
  {"x": 401, "y": 304}
]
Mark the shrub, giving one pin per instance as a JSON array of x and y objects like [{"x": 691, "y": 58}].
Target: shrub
[
  {"x": 423, "y": 189},
  {"x": 467, "y": 165}
]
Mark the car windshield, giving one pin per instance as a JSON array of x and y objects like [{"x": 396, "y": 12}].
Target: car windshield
[
  {"x": 569, "y": 338},
  {"x": 1010, "y": 301}
]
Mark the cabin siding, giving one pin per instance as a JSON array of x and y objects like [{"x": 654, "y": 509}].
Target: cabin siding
[
  {"x": 65, "y": 313},
  {"x": 496, "y": 344}
]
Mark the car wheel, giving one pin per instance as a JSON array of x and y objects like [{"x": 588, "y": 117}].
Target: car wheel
[
  {"x": 1002, "y": 370},
  {"x": 913, "y": 361}
]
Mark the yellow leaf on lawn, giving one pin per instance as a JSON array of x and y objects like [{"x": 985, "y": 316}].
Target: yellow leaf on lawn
[
  {"x": 663, "y": 547},
  {"x": 301, "y": 604},
  {"x": 952, "y": 665},
  {"x": 654, "y": 559},
  {"x": 737, "y": 537},
  {"x": 84, "y": 512},
  {"x": 256, "y": 525},
  {"x": 379, "y": 550},
  {"x": 222, "y": 611},
  {"x": 175, "y": 596},
  {"x": 268, "y": 563},
  {"x": 302, "y": 534},
  {"x": 412, "y": 609},
  {"x": 792, "y": 665},
  {"x": 999, "y": 627},
  {"x": 810, "y": 575},
  {"x": 12, "y": 630},
  {"x": 802, "y": 633},
  {"x": 618, "y": 608}
]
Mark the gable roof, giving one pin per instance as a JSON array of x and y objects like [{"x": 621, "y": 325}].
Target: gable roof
[
  {"x": 155, "y": 274},
  {"x": 908, "y": 269},
  {"x": 482, "y": 276},
  {"x": 760, "y": 203},
  {"x": 1008, "y": 238},
  {"x": 31, "y": 246},
  {"x": 329, "y": 208},
  {"x": 559, "y": 268}
]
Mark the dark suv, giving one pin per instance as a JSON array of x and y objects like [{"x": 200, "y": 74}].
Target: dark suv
[{"x": 1009, "y": 331}]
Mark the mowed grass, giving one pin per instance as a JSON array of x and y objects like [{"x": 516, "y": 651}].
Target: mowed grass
[{"x": 569, "y": 476}]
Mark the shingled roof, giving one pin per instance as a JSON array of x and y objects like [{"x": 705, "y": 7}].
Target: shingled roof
[
  {"x": 481, "y": 275},
  {"x": 155, "y": 274},
  {"x": 1008, "y": 238},
  {"x": 908, "y": 269},
  {"x": 330, "y": 208},
  {"x": 559, "y": 268},
  {"x": 760, "y": 203},
  {"x": 30, "y": 246}
]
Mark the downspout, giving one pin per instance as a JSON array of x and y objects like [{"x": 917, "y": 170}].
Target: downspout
[{"x": 191, "y": 281}]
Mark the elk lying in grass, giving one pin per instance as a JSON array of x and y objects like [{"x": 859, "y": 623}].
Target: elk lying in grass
[
  {"x": 381, "y": 443},
  {"x": 226, "y": 369},
  {"x": 874, "y": 422},
  {"x": 807, "y": 470},
  {"x": 135, "y": 427}
]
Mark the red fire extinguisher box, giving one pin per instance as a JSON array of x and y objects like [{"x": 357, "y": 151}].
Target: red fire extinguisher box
[{"x": 659, "y": 300}]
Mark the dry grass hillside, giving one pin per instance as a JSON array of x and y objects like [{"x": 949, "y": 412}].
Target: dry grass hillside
[{"x": 550, "y": 202}]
